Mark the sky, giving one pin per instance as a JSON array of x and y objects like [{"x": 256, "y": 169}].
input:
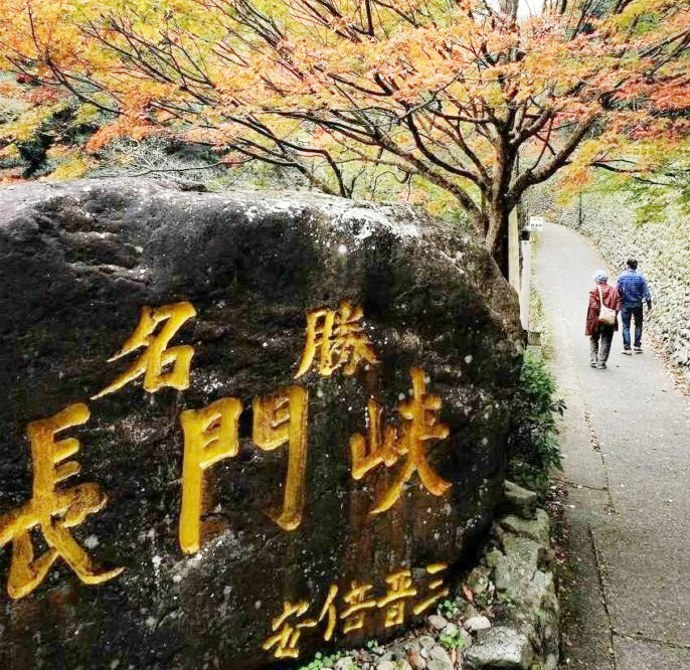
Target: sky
[
  {"x": 526, "y": 8},
  {"x": 529, "y": 8}
]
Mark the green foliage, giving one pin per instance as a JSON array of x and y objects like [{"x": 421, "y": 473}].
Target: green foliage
[
  {"x": 452, "y": 640},
  {"x": 657, "y": 196},
  {"x": 45, "y": 137},
  {"x": 532, "y": 446},
  {"x": 449, "y": 609},
  {"x": 323, "y": 661},
  {"x": 373, "y": 645},
  {"x": 656, "y": 203},
  {"x": 508, "y": 602}
]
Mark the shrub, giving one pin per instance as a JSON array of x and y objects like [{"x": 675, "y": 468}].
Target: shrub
[{"x": 532, "y": 445}]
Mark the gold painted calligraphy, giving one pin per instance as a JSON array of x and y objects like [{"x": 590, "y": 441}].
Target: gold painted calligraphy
[
  {"x": 336, "y": 339},
  {"x": 52, "y": 510},
  {"x": 437, "y": 588},
  {"x": 210, "y": 435},
  {"x": 358, "y": 604},
  {"x": 399, "y": 589},
  {"x": 329, "y": 609},
  {"x": 153, "y": 362},
  {"x": 280, "y": 419},
  {"x": 287, "y": 635},
  {"x": 388, "y": 444},
  {"x": 380, "y": 446}
]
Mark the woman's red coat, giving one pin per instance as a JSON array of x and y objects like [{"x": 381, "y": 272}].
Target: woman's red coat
[{"x": 611, "y": 299}]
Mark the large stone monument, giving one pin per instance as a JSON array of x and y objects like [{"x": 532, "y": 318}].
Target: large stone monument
[{"x": 236, "y": 428}]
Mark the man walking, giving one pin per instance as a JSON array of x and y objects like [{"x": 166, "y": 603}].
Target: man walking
[{"x": 633, "y": 289}]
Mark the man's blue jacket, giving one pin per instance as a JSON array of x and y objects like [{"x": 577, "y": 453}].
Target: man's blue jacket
[{"x": 633, "y": 289}]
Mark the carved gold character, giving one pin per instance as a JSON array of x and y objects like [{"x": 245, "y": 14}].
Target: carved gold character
[
  {"x": 336, "y": 339},
  {"x": 157, "y": 357},
  {"x": 435, "y": 586},
  {"x": 356, "y": 598},
  {"x": 387, "y": 445},
  {"x": 287, "y": 635},
  {"x": 329, "y": 610},
  {"x": 399, "y": 589},
  {"x": 380, "y": 447},
  {"x": 210, "y": 435},
  {"x": 279, "y": 419},
  {"x": 51, "y": 510}
]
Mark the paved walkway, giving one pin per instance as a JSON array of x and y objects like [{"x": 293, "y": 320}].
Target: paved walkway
[{"x": 626, "y": 440}]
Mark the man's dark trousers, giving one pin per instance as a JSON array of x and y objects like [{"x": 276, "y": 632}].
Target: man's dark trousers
[{"x": 626, "y": 314}]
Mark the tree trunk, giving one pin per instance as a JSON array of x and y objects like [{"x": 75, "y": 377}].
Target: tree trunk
[
  {"x": 497, "y": 234},
  {"x": 497, "y": 204},
  {"x": 510, "y": 7}
]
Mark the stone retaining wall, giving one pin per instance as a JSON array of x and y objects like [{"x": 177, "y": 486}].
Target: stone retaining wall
[{"x": 663, "y": 251}]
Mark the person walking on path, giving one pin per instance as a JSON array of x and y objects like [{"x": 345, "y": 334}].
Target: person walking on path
[
  {"x": 602, "y": 319},
  {"x": 633, "y": 289}
]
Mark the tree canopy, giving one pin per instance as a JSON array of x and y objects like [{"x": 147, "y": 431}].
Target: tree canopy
[{"x": 459, "y": 94}]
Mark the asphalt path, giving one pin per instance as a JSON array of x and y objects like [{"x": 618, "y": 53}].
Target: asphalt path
[{"x": 625, "y": 439}]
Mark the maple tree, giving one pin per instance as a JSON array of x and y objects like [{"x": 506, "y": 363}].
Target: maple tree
[{"x": 461, "y": 94}]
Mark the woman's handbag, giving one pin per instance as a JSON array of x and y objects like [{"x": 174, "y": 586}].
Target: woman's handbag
[{"x": 607, "y": 316}]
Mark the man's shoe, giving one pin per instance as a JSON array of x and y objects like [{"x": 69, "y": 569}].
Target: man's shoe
[
  {"x": 627, "y": 352},
  {"x": 592, "y": 364},
  {"x": 637, "y": 350},
  {"x": 601, "y": 366}
]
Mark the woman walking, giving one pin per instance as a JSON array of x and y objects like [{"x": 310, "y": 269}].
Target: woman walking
[{"x": 602, "y": 319}]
